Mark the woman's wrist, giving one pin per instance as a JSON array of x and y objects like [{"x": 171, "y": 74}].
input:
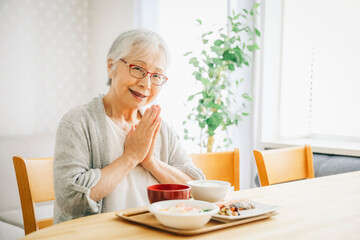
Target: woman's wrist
[
  {"x": 131, "y": 158},
  {"x": 150, "y": 163}
]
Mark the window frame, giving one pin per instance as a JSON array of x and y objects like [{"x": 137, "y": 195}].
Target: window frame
[{"x": 269, "y": 99}]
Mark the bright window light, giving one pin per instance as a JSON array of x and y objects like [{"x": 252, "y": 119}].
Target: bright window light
[{"x": 177, "y": 24}]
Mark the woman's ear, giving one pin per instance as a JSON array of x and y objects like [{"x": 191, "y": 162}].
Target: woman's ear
[{"x": 109, "y": 67}]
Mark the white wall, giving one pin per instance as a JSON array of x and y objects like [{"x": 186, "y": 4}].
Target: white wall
[
  {"x": 108, "y": 18},
  {"x": 53, "y": 57}
]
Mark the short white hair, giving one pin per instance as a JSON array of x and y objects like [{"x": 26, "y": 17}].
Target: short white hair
[{"x": 137, "y": 42}]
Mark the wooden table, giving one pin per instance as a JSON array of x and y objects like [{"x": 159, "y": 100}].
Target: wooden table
[{"x": 319, "y": 208}]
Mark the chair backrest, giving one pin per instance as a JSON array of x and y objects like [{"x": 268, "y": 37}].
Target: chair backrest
[
  {"x": 35, "y": 184},
  {"x": 284, "y": 165},
  {"x": 222, "y": 166}
]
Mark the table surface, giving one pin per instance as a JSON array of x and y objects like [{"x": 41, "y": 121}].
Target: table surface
[{"x": 320, "y": 208}]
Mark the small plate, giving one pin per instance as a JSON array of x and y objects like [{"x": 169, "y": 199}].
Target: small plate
[{"x": 259, "y": 209}]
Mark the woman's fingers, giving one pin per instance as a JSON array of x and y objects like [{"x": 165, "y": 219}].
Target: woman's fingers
[
  {"x": 148, "y": 120},
  {"x": 141, "y": 138},
  {"x": 157, "y": 128},
  {"x": 149, "y": 116},
  {"x": 149, "y": 157},
  {"x": 158, "y": 111}
]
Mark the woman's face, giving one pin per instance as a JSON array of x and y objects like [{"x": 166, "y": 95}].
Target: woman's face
[{"x": 132, "y": 92}]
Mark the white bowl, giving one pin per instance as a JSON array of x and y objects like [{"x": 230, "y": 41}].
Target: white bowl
[
  {"x": 209, "y": 190},
  {"x": 181, "y": 220}
]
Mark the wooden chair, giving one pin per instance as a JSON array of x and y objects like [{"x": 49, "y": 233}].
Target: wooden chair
[
  {"x": 284, "y": 165},
  {"x": 35, "y": 184},
  {"x": 222, "y": 166}
]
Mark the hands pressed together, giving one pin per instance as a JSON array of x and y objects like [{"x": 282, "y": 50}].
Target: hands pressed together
[
  {"x": 140, "y": 141},
  {"x": 138, "y": 149}
]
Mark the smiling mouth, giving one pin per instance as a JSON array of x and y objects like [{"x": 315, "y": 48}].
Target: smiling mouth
[{"x": 137, "y": 95}]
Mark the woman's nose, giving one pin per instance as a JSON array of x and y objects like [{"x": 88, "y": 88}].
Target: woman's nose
[{"x": 145, "y": 82}]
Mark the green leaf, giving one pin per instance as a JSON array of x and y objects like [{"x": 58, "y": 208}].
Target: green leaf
[
  {"x": 217, "y": 61},
  {"x": 187, "y": 53},
  {"x": 197, "y": 75},
  {"x": 245, "y": 114},
  {"x": 214, "y": 105},
  {"x": 256, "y": 5},
  {"x": 227, "y": 56},
  {"x": 253, "y": 47},
  {"x": 239, "y": 55},
  {"x": 206, "y": 34},
  {"x": 194, "y": 61},
  {"x": 214, "y": 121},
  {"x": 205, "y": 81},
  {"x": 231, "y": 67},
  {"x": 218, "y": 42},
  {"x": 205, "y": 41},
  {"x": 184, "y": 122},
  {"x": 215, "y": 49},
  {"x": 246, "y": 11},
  {"x": 247, "y": 96},
  {"x": 232, "y": 40},
  {"x": 198, "y": 21},
  {"x": 235, "y": 29},
  {"x": 257, "y": 32},
  {"x": 191, "y": 97}
]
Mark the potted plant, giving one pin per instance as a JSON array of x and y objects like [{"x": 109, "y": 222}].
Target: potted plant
[{"x": 218, "y": 58}]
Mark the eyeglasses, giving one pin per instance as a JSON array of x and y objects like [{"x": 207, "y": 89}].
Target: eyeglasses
[{"x": 139, "y": 72}]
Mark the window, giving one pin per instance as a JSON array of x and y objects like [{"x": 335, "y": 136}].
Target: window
[
  {"x": 177, "y": 24},
  {"x": 310, "y": 75}
]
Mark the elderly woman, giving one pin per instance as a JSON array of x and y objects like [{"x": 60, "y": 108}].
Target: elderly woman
[{"x": 109, "y": 150}]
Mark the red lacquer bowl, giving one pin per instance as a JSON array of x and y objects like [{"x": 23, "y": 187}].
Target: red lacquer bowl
[{"x": 162, "y": 192}]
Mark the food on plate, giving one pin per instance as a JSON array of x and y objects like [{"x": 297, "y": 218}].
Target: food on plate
[
  {"x": 234, "y": 207},
  {"x": 183, "y": 209}
]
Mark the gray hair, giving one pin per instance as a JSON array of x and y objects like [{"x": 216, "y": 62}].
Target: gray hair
[{"x": 137, "y": 42}]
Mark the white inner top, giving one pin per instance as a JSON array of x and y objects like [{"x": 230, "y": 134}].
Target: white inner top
[{"x": 132, "y": 190}]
